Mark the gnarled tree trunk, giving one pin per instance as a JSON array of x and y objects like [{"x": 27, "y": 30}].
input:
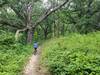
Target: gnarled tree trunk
[
  {"x": 29, "y": 36},
  {"x": 30, "y": 33}
]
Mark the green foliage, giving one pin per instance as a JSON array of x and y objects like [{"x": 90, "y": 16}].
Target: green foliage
[
  {"x": 6, "y": 38},
  {"x": 35, "y": 36},
  {"x": 73, "y": 55},
  {"x": 12, "y": 55},
  {"x": 22, "y": 38},
  {"x": 84, "y": 15}
]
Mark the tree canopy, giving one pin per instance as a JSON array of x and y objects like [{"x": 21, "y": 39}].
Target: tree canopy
[{"x": 66, "y": 16}]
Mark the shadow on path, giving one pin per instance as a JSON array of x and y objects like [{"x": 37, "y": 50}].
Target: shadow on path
[{"x": 32, "y": 67}]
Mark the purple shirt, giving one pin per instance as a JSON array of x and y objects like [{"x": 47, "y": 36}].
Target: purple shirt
[{"x": 35, "y": 45}]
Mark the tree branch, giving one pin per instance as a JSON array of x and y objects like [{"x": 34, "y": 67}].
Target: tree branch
[
  {"x": 10, "y": 24},
  {"x": 48, "y": 12},
  {"x": 2, "y": 4},
  {"x": 44, "y": 16},
  {"x": 17, "y": 13}
]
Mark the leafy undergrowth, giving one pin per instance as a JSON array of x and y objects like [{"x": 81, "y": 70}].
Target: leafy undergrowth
[
  {"x": 12, "y": 55},
  {"x": 73, "y": 55}
]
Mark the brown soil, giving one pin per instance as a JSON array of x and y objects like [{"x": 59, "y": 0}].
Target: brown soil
[{"x": 33, "y": 66}]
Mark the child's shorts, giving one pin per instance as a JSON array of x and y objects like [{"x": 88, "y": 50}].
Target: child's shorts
[{"x": 35, "y": 48}]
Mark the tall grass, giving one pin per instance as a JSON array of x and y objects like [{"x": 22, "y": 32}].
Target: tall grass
[{"x": 73, "y": 55}]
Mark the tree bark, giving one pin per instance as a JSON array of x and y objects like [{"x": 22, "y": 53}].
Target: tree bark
[
  {"x": 45, "y": 33},
  {"x": 29, "y": 36}
]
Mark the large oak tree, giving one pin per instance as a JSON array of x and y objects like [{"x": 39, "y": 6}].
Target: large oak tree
[{"x": 27, "y": 15}]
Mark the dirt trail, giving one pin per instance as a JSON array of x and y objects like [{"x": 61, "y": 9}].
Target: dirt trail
[{"x": 32, "y": 67}]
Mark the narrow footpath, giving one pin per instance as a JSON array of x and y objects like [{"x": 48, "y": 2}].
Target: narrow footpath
[{"x": 33, "y": 67}]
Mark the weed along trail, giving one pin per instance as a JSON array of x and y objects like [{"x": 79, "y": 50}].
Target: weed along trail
[{"x": 32, "y": 67}]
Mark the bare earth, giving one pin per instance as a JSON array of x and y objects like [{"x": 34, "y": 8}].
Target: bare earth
[{"x": 33, "y": 67}]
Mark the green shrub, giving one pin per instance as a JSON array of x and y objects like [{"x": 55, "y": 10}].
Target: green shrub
[
  {"x": 6, "y": 38},
  {"x": 73, "y": 55},
  {"x": 12, "y": 55}
]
